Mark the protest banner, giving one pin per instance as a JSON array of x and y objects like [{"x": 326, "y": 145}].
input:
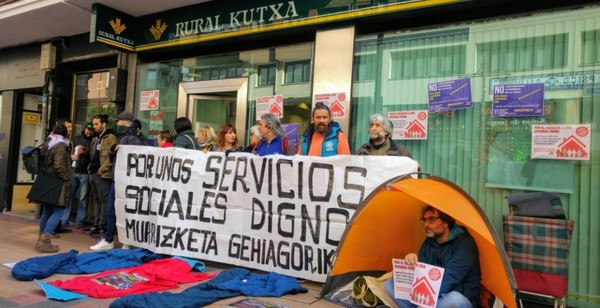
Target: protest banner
[{"x": 275, "y": 213}]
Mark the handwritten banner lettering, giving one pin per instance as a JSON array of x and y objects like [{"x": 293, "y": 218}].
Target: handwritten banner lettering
[{"x": 273, "y": 213}]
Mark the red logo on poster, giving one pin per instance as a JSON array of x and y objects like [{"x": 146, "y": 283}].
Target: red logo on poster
[
  {"x": 582, "y": 131},
  {"x": 422, "y": 116},
  {"x": 435, "y": 274}
]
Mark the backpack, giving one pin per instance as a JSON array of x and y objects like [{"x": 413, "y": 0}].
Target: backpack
[{"x": 32, "y": 159}]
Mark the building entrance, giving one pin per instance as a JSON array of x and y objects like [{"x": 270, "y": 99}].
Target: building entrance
[{"x": 214, "y": 103}]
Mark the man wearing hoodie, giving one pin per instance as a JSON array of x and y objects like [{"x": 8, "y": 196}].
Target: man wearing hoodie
[
  {"x": 128, "y": 135},
  {"x": 450, "y": 246},
  {"x": 100, "y": 169}
]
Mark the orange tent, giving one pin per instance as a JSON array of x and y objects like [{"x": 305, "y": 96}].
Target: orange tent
[{"x": 387, "y": 226}]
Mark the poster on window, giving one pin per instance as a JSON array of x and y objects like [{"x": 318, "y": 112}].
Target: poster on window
[
  {"x": 409, "y": 125},
  {"x": 149, "y": 100},
  {"x": 564, "y": 142},
  {"x": 450, "y": 95},
  {"x": 518, "y": 100},
  {"x": 335, "y": 101},
  {"x": 269, "y": 104}
]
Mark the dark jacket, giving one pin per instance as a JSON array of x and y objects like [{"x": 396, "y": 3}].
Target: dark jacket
[
  {"x": 100, "y": 159},
  {"x": 186, "y": 140},
  {"x": 394, "y": 150},
  {"x": 57, "y": 161},
  {"x": 459, "y": 257},
  {"x": 129, "y": 137},
  {"x": 84, "y": 157}
]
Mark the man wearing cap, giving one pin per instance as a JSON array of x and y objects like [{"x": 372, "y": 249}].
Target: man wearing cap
[
  {"x": 80, "y": 155},
  {"x": 127, "y": 135}
]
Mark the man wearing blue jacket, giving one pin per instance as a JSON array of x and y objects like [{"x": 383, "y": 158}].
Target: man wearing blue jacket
[{"x": 449, "y": 246}]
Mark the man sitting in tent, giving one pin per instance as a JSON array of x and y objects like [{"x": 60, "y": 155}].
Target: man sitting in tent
[{"x": 449, "y": 246}]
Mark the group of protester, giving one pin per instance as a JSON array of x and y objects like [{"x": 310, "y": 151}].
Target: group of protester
[{"x": 93, "y": 153}]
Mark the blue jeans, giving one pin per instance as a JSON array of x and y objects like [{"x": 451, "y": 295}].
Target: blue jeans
[
  {"x": 78, "y": 181},
  {"x": 51, "y": 215},
  {"x": 111, "y": 217},
  {"x": 451, "y": 299}
]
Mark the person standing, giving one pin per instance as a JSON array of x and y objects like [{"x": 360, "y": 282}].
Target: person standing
[
  {"x": 206, "y": 137},
  {"x": 227, "y": 140},
  {"x": 380, "y": 141},
  {"x": 185, "y": 136},
  {"x": 100, "y": 170},
  {"x": 128, "y": 135},
  {"x": 80, "y": 180},
  {"x": 273, "y": 140},
  {"x": 255, "y": 137},
  {"x": 165, "y": 139},
  {"x": 57, "y": 162},
  {"x": 450, "y": 246},
  {"x": 323, "y": 137}
]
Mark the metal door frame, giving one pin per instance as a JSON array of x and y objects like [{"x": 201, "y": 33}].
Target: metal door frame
[{"x": 188, "y": 90}]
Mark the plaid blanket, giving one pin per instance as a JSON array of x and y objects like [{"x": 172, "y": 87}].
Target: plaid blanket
[{"x": 538, "y": 244}]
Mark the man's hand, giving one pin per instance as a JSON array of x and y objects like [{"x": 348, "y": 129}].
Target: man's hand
[{"x": 412, "y": 259}]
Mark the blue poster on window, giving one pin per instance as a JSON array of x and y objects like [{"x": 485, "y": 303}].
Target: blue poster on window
[
  {"x": 291, "y": 131},
  {"x": 450, "y": 95},
  {"x": 518, "y": 100}
]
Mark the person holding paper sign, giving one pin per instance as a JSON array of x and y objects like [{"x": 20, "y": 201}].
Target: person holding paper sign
[{"x": 449, "y": 246}]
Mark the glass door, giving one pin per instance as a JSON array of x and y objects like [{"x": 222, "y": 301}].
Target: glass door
[
  {"x": 214, "y": 111},
  {"x": 214, "y": 103}
]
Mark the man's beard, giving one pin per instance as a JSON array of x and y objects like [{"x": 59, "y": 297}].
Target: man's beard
[
  {"x": 321, "y": 128},
  {"x": 377, "y": 138}
]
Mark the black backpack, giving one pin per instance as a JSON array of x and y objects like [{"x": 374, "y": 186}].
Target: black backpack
[{"x": 32, "y": 159}]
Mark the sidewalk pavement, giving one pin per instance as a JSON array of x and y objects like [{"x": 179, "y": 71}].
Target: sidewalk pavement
[{"x": 18, "y": 235}]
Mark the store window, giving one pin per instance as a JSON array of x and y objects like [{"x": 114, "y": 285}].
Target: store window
[
  {"x": 590, "y": 51},
  {"x": 96, "y": 93},
  {"x": 532, "y": 53},
  {"x": 480, "y": 152},
  {"x": 267, "y": 74},
  {"x": 297, "y": 72},
  {"x": 264, "y": 69}
]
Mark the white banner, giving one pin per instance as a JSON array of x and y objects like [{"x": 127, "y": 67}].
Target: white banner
[{"x": 275, "y": 213}]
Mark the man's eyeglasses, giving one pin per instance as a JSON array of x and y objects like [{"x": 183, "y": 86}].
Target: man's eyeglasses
[{"x": 429, "y": 219}]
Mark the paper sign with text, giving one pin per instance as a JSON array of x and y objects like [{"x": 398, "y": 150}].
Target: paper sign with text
[
  {"x": 564, "y": 142},
  {"x": 285, "y": 214},
  {"x": 409, "y": 125},
  {"x": 336, "y": 102},
  {"x": 269, "y": 104},
  {"x": 450, "y": 95},
  {"x": 149, "y": 100},
  {"x": 419, "y": 284},
  {"x": 518, "y": 100}
]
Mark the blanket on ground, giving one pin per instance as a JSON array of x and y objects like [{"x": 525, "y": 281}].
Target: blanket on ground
[
  {"x": 86, "y": 263},
  {"x": 229, "y": 283}
]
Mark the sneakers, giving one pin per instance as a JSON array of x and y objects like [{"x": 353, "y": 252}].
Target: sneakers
[
  {"x": 102, "y": 245},
  {"x": 96, "y": 230}
]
